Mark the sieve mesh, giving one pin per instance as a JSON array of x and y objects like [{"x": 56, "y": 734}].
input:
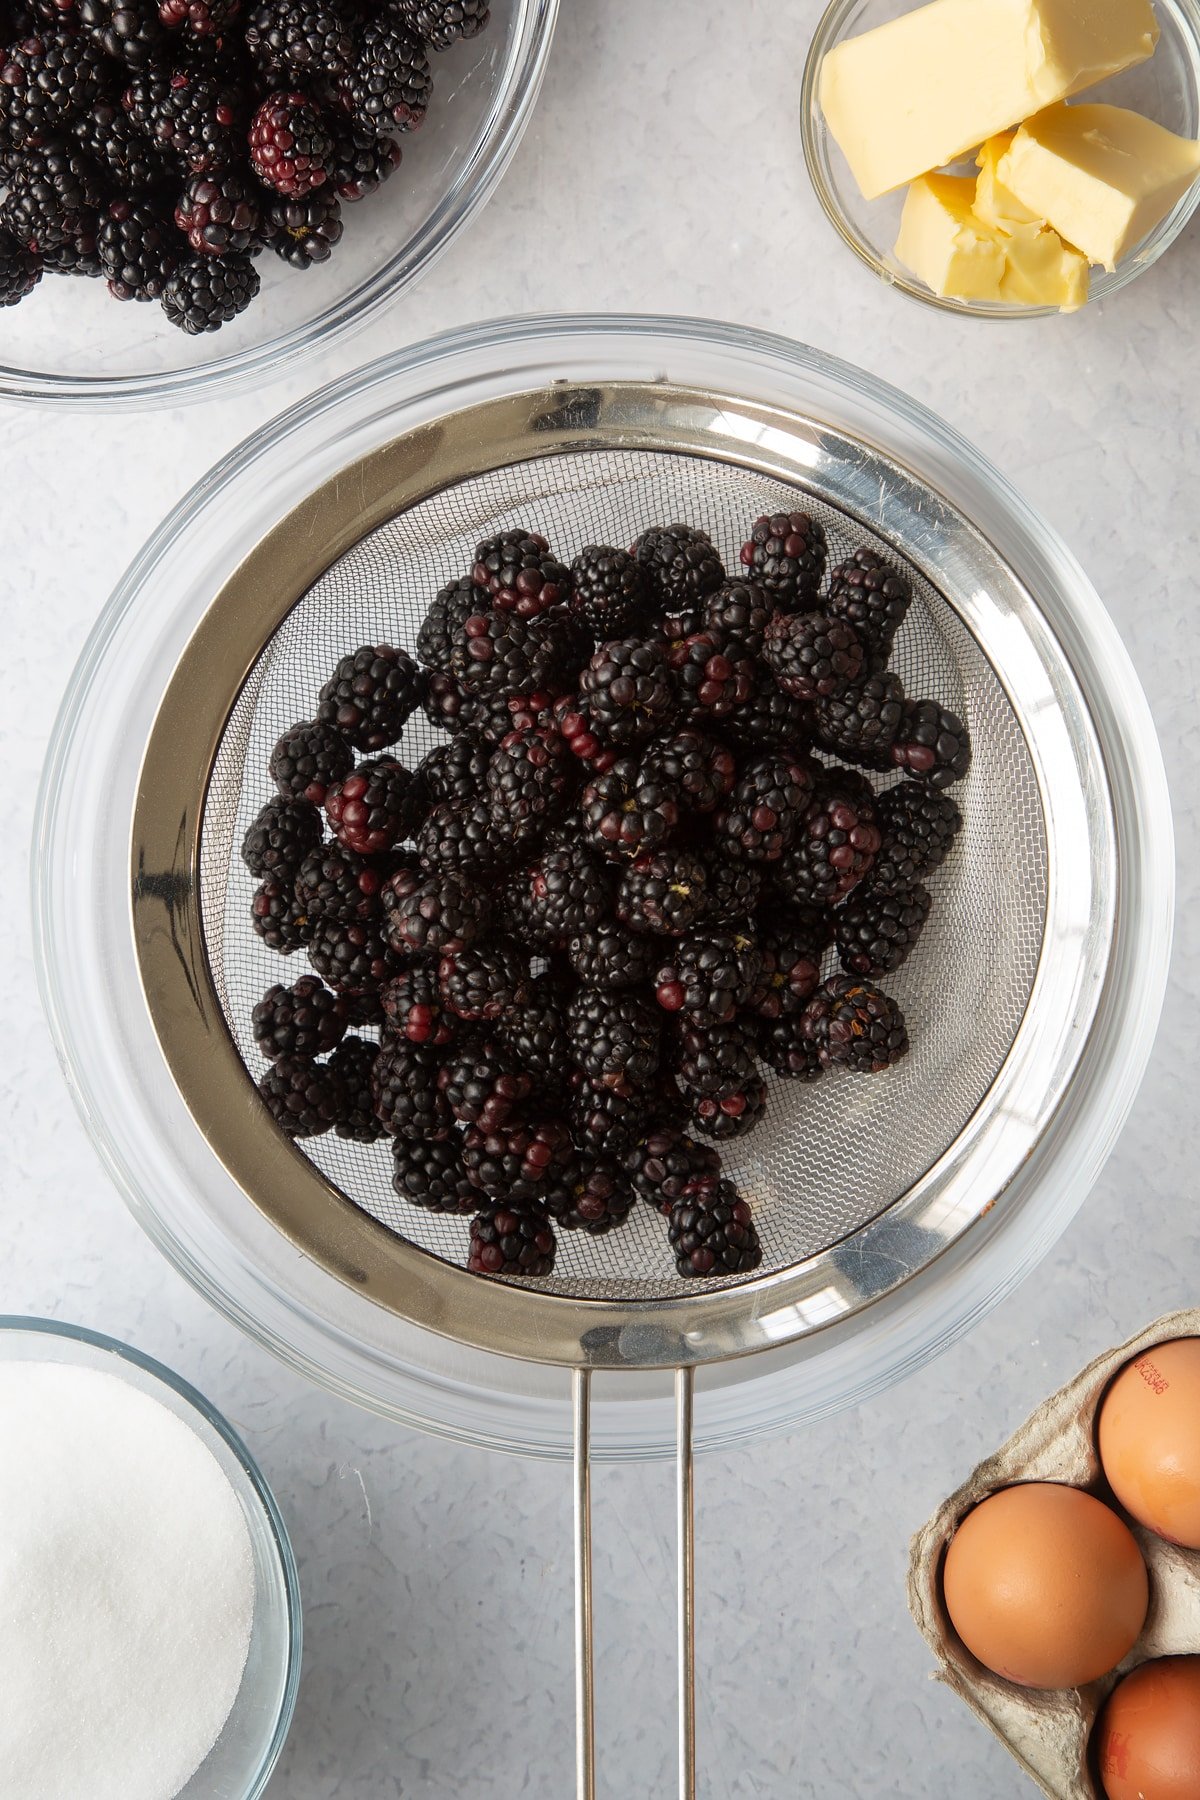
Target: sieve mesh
[{"x": 826, "y": 1159}]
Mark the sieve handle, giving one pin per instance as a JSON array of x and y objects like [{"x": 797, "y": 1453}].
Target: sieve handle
[{"x": 686, "y": 1549}]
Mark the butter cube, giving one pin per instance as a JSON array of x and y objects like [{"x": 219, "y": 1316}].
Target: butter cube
[
  {"x": 1040, "y": 270},
  {"x": 993, "y": 201},
  {"x": 929, "y": 86},
  {"x": 1102, "y": 176},
  {"x": 943, "y": 242}
]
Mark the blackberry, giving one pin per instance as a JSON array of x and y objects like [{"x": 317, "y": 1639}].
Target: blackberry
[
  {"x": 714, "y": 1235},
  {"x": 404, "y": 1086},
  {"x": 784, "y": 1045},
  {"x": 731, "y": 891},
  {"x": 502, "y": 654},
  {"x": 681, "y": 565},
  {"x": 812, "y": 656},
  {"x": 123, "y": 155},
  {"x": 931, "y": 743},
  {"x": 709, "y": 977},
  {"x": 595, "y": 1198},
  {"x": 375, "y": 807},
  {"x": 303, "y": 1097},
  {"x": 439, "y": 913},
  {"x": 522, "y": 1159},
  {"x": 471, "y": 840},
  {"x": 535, "y": 1033},
  {"x": 786, "y": 554},
  {"x": 714, "y": 672},
  {"x": 852, "y": 1024},
  {"x": 734, "y": 1114},
  {"x": 354, "y": 957},
  {"x": 629, "y": 690},
  {"x": 200, "y": 118},
  {"x": 509, "y": 1240},
  {"x": 130, "y": 31},
  {"x": 564, "y": 893},
  {"x": 712, "y": 1061},
  {"x": 277, "y": 916},
  {"x": 206, "y": 18},
  {"x": 611, "y": 592},
  {"x": 919, "y": 825},
  {"x": 610, "y": 957},
  {"x": 448, "y": 706},
  {"x": 51, "y": 208},
  {"x": 874, "y": 597},
  {"x": 835, "y": 845},
  {"x": 280, "y": 837},
  {"x": 615, "y": 1037},
  {"x": 308, "y": 759},
  {"x": 45, "y": 82},
  {"x": 361, "y": 161},
  {"x": 389, "y": 83},
  {"x": 219, "y": 213},
  {"x": 432, "y": 1175},
  {"x": 765, "y": 807},
  {"x": 531, "y": 775},
  {"x": 138, "y": 248},
  {"x": 603, "y": 1118},
  {"x": 769, "y": 719},
  {"x": 304, "y": 231},
  {"x": 371, "y": 695},
  {"x": 352, "y": 1065},
  {"x": 861, "y": 725},
  {"x": 666, "y": 1166},
  {"x": 291, "y": 148},
  {"x": 303, "y": 1020},
  {"x": 204, "y": 294},
  {"x": 697, "y": 767},
  {"x": 742, "y": 608},
  {"x": 483, "y": 1085},
  {"x": 583, "y": 737},
  {"x": 665, "y": 892},
  {"x": 414, "y": 1007},
  {"x": 455, "y": 771},
  {"x": 448, "y": 612},
  {"x": 300, "y": 39},
  {"x": 519, "y": 573},
  {"x": 877, "y": 930},
  {"x": 441, "y": 23},
  {"x": 20, "y": 269},
  {"x": 792, "y": 945},
  {"x": 335, "y": 883},
  {"x": 487, "y": 981},
  {"x": 624, "y": 816}
]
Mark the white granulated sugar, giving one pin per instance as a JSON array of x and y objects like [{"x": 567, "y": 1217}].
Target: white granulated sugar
[{"x": 126, "y": 1590}]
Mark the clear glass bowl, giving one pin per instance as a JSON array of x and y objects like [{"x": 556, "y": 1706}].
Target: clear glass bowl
[
  {"x": 71, "y": 342},
  {"x": 1166, "y": 88},
  {"x": 171, "y": 1178},
  {"x": 240, "y": 1763}
]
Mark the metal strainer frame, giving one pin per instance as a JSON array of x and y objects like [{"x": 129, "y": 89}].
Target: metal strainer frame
[{"x": 677, "y": 1333}]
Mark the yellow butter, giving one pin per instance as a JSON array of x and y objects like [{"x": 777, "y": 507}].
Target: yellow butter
[
  {"x": 929, "y": 86},
  {"x": 1102, "y": 176},
  {"x": 993, "y": 201},
  {"x": 1040, "y": 270},
  {"x": 943, "y": 242}
]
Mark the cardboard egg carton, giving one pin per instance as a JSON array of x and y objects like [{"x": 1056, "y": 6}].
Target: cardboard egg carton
[{"x": 1049, "y": 1733}]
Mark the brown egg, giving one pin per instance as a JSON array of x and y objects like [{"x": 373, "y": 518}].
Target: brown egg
[
  {"x": 1045, "y": 1585},
  {"x": 1148, "y": 1738},
  {"x": 1150, "y": 1440}
]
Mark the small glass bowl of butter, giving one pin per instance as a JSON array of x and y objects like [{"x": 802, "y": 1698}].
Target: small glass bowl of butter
[{"x": 873, "y": 114}]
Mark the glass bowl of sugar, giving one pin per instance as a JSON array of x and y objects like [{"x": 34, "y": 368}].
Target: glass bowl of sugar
[{"x": 149, "y": 1603}]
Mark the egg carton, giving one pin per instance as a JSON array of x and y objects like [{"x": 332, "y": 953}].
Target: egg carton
[{"x": 1049, "y": 1733}]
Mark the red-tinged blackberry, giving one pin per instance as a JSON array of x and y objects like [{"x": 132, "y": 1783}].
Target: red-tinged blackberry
[
  {"x": 414, "y": 1007},
  {"x": 520, "y": 574},
  {"x": 731, "y": 1115},
  {"x": 813, "y": 656},
  {"x": 206, "y": 18},
  {"x": 666, "y": 1166},
  {"x": 624, "y": 816},
  {"x": 714, "y": 673},
  {"x": 792, "y": 945},
  {"x": 511, "y": 1240},
  {"x": 124, "y": 157},
  {"x": 139, "y": 250},
  {"x": 51, "y": 207},
  {"x": 861, "y": 725},
  {"x": 714, "y": 1235},
  {"x": 582, "y": 735},
  {"x": 487, "y": 981},
  {"x": 764, "y": 809},
  {"x": 308, "y": 759},
  {"x": 603, "y": 1118},
  {"x": 20, "y": 269},
  {"x": 304, "y": 232},
  {"x": 208, "y": 292},
  {"x": 697, "y": 767},
  {"x": 628, "y": 688},
  {"x": 361, "y": 161},
  {"x": 712, "y": 1061},
  {"x": 280, "y": 837},
  {"x": 304, "y": 1097},
  {"x": 353, "y": 1064},
  {"x": 437, "y": 913},
  {"x": 931, "y": 743},
  {"x": 277, "y": 916},
  {"x": 531, "y": 775},
  {"x": 299, "y": 39},
  {"x": 441, "y": 23},
  {"x": 731, "y": 891},
  {"x": 455, "y": 771},
  {"x": 743, "y": 609},
  {"x": 448, "y": 612},
  {"x": 595, "y": 1197},
  {"x": 565, "y": 892},
  {"x": 611, "y": 592},
  {"x": 335, "y": 883},
  {"x": 469, "y": 839},
  {"x": 919, "y": 825},
  {"x": 616, "y": 1038},
  {"x": 404, "y": 1086},
  {"x": 877, "y": 929},
  {"x": 874, "y": 596},
  {"x": 665, "y": 892},
  {"x": 219, "y": 213},
  {"x": 681, "y": 565},
  {"x": 389, "y": 82},
  {"x": 786, "y": 554},
  {"x": 46, "y": 81},
  {"x": 354, "y": 957},
  {"x": 483, "y": 1084},
  {"x": 535, "y": 1034},
  {"x": 784, "y": 1045},
  {"x": 611, "y": 957},
  {"x": 708, "y": 977},
  {"x": 500, "y": 653},
  {"x": 303, "y": 1020},
  {"x": 371, "y": 695},
  {"x": 130, "y": 31},
  {"x": 852, "y": 1024},
  {"x": 835, "y": 846},
  {"x": 432, "y": 1175},
  {"x": 291, "y": 147},
  {"x": 376, "y": 807},
  {"x": 521, "y": 1159}
]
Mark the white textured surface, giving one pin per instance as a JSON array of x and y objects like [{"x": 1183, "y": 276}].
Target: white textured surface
[{"x": 662, "y": 172}]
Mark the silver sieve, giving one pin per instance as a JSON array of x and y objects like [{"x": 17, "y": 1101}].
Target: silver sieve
[{"x": 857, "y": 1184}]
